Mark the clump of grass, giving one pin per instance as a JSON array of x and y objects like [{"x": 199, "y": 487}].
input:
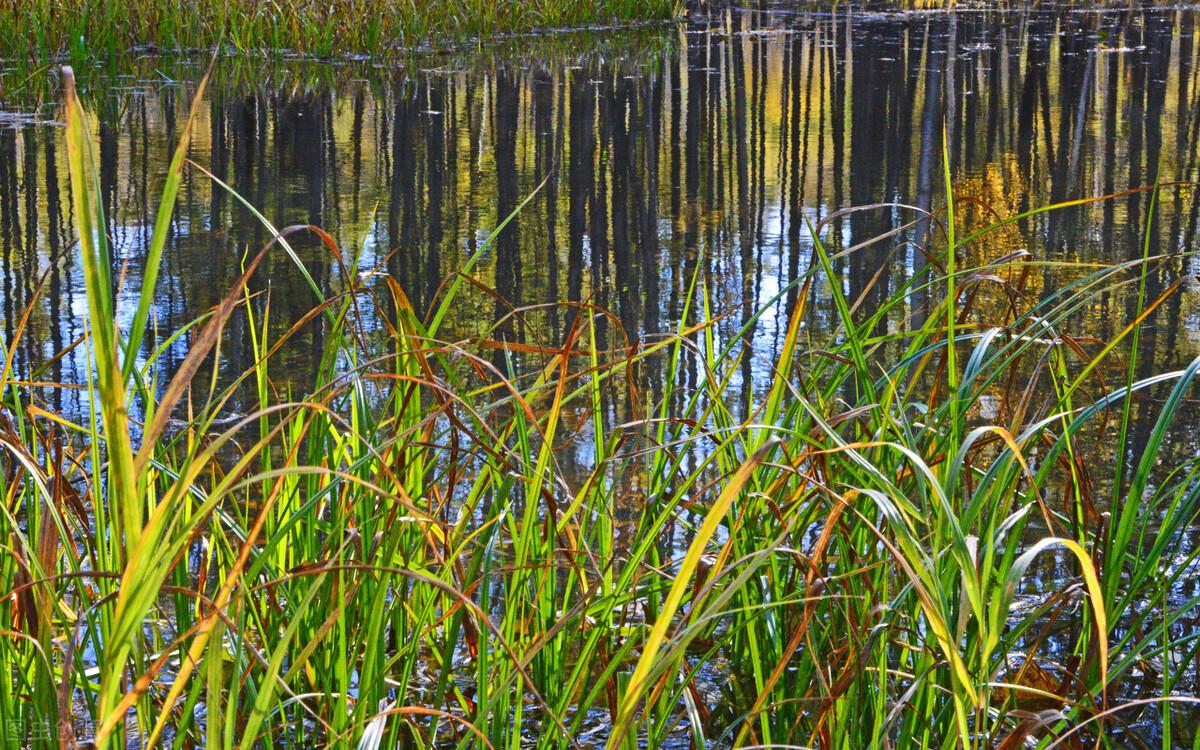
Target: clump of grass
[
  {"x": 490, "y": 544},
  {"x": 100, "y": 29}
]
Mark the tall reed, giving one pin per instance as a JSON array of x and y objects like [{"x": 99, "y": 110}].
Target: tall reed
[
  {"x": 418, "y": 552},
  {"x": 101, "y": 29}
]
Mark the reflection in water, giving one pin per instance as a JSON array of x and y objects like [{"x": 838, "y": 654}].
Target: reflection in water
[{"x": 709, "y": 159}]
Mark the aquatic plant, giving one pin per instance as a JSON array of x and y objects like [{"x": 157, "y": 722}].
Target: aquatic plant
[
  {"x": 501, "y": 542},
  {"x": 101, "y": 29}
]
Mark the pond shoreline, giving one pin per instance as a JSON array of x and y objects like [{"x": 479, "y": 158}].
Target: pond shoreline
[{"x": 94, "y": 30}]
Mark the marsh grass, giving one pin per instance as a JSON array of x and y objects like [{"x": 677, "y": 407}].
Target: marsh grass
[
  {"x": 100, "y": 29},
  {"x": 455, "y": 543}
]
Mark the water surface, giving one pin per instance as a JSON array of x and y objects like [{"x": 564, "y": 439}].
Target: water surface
[{"x": 652, "y": 156}]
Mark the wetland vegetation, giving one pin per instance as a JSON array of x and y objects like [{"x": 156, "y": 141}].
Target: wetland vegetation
[
  {"x": 34, "y": 30},
  {"x": 780, "y": 379}
]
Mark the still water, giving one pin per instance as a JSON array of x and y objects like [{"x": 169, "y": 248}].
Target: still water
[{"x": 651, "y": 156}]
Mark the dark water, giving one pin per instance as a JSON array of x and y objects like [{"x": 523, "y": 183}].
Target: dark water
[{"x": 702, "y": 148}]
